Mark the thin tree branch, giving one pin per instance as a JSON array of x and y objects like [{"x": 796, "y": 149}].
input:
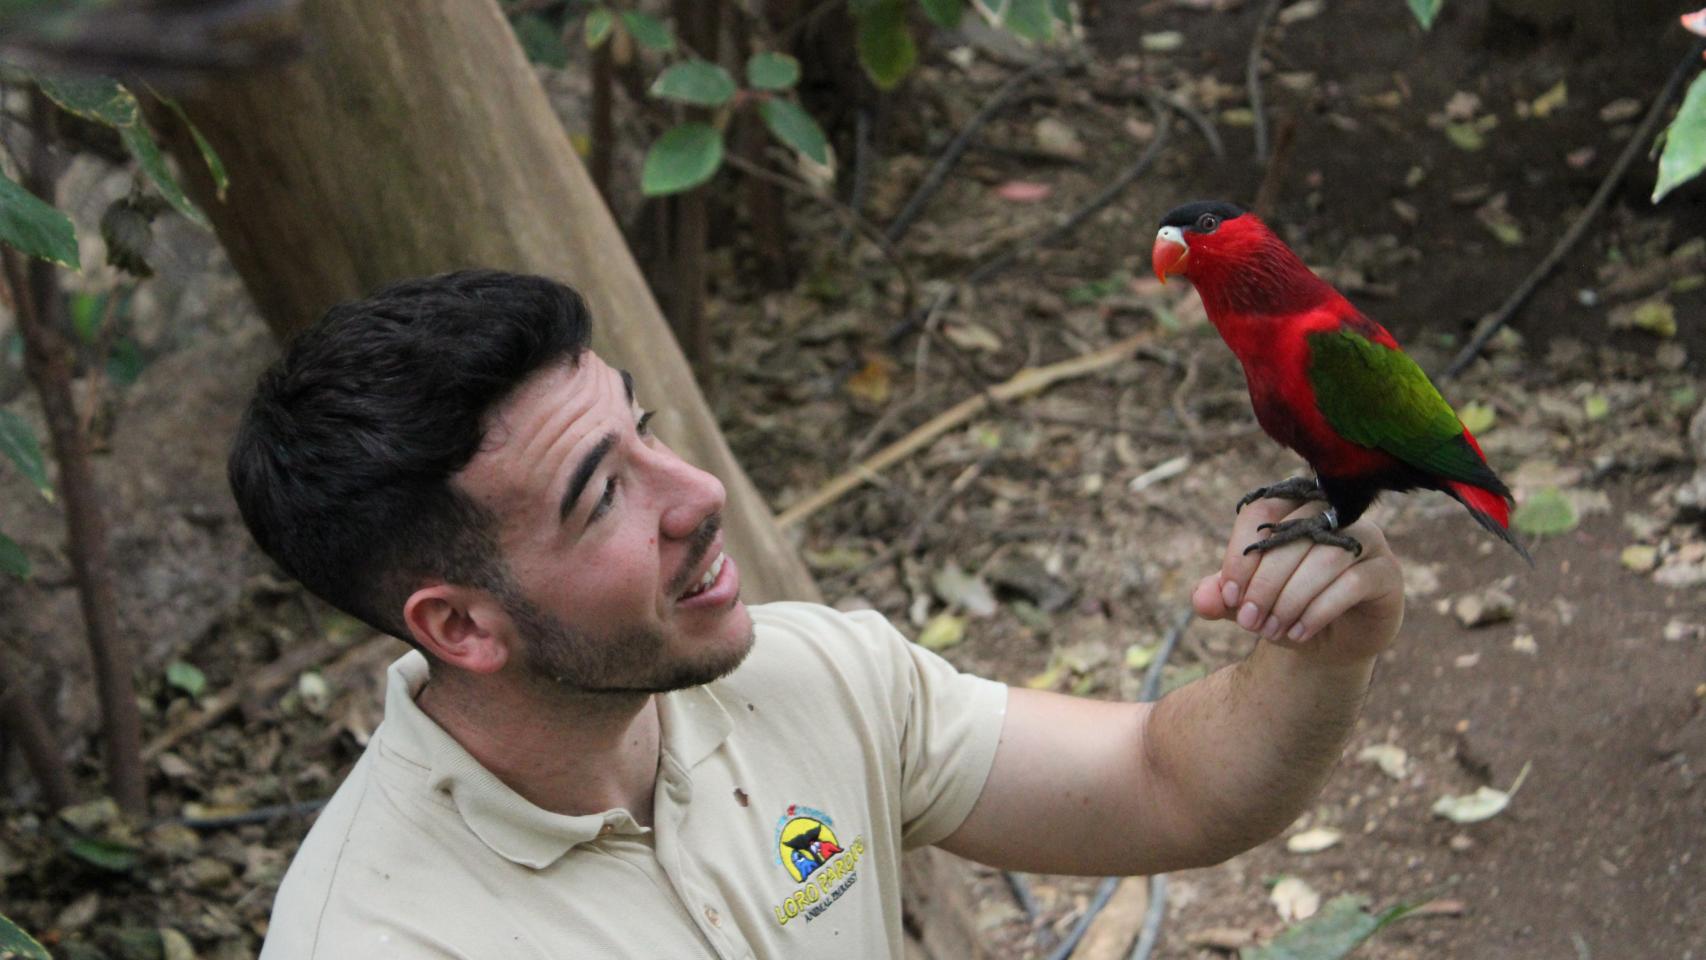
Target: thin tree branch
[
  {"x": 1026, "y": 382},
  {"x": 39, "y": 314},
  {"x": 1253, "y": 77},
  {"x": 848, "y": 216},
  {"x": 956, "y": 147},
  {"x": 1642, "y": 136}
]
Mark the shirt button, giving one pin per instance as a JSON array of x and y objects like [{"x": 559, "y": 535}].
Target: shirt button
[
  {"x": 606, "y": 830},
  {"x": 715, "y": 918}
]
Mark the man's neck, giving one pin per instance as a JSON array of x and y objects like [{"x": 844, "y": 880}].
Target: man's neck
[{"x": 568, "y": 753}]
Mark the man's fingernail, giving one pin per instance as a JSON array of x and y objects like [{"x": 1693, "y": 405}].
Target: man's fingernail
[
  {"x": 1296, "y": 631},
  {"x": 1249, "y": 616},
  {"x": 1229, "y": 593},
  {"x": 1271, "y": 628}
]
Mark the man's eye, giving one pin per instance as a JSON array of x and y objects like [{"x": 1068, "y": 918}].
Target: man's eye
[
  {"x": 644, "y": 426},
  {"x": 604, "y": 501}
]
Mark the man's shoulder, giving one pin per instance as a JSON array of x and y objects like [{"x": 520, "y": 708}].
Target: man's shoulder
[{"x": 369, "y": 846}]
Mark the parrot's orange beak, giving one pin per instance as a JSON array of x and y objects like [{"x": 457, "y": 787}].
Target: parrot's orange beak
[{"x": 1168, "y": 257}]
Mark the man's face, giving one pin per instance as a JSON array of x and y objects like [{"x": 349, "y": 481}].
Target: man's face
[{"x": 608, "y": 536}]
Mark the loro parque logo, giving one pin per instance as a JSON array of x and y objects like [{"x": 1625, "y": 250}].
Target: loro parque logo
[{"x": 818, "y": 860}]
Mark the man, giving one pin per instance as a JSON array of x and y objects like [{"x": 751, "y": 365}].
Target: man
[{"x": 597, "y": 750}]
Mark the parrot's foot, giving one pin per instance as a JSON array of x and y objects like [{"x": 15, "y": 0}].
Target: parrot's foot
[
  {"x": 1302, "y": 489},
  {"x": 1322, "y": 528}
]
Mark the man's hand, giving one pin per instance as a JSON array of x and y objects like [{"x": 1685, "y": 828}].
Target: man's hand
[{"x": 1328, "y": 604}]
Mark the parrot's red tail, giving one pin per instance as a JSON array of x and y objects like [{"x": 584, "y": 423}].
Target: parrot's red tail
[{"x": 1490, "y": 510}]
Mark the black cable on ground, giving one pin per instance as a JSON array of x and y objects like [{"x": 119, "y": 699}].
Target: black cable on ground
[{"x": 1643, "y": 135}]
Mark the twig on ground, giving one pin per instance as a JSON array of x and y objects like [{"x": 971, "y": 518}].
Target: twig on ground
[
  {"x": 1107, "y": 195},
  {"x": 861, "y": 173},
  {"x": 1253, "y": 77},
  {"x": 939, "y": 171},
  {"x": 1193, "y": 427},
  {"x": 1023, "y": 383},
  {"x": 1642, "y": 136},
  {"x": 848, "y": 216},
  {"x": 264, "y": 681}
]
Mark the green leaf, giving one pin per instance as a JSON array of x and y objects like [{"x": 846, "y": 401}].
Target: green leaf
[
  {"x": 943, "y": 631},
  {"x": 944, "y": 13},
  {"x": 599, "y": 24},
  {"x": 101, "y": 99},
  {"x": 648, "y": 31},
  {"x": 1340, "y": 926},
  {"x": 1685, "y": 142},
  {"x": 794, "y": 127},
  {"x": 15, "y": 944},
  {"x": 139, "y": 140},
  {"x": 35, "y": 227},
  {"x": 886, "y": 47},
  {"x": 1426, "y": 11},
  {"x": 19, "y": 444},
  {"x": 87, "y": 309},
  {"x": 14, "y": 561},
  {"x": 542, "y": 42},
  {"x": 772, "y": 71},
  {"x": 209, "y": 156},
  {"x": 1031, "y": 19},
  {"x": 698, "y": 82},
  {"x": 106, "y": 854},
  {"x": 1545, "y": 513},
  {"x": 186, "y": 677},
  {"x": 681, "y": 159}
]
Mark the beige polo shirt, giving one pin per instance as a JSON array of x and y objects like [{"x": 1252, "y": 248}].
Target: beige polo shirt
[{"x": 786, "y": 794}]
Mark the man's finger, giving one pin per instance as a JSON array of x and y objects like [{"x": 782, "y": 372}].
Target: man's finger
[
  {"x": 1207, "y": 599},
  {"x": 1237, "y": 567},
  {"x": 1324, "y": 565}
]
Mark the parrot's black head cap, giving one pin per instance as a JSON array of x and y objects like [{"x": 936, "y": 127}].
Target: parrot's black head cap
[{"x": 1187, "y": 216}]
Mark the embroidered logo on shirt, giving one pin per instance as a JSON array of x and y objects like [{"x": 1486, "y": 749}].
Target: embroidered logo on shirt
[{"x": 808, "y": 849}]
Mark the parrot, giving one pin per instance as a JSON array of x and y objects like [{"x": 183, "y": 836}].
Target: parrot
[{"x": 1325, "y": 380}]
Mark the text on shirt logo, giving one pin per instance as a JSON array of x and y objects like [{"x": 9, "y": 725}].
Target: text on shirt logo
[{"x": 825, "y": 868}]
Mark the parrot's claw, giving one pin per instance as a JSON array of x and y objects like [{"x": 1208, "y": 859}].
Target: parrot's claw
[
  {"x": 1302, "y": 489},
  {"x": 1320, "y": 529}
]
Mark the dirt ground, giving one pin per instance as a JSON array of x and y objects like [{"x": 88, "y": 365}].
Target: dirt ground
[{"x": 1590, "y": 673}]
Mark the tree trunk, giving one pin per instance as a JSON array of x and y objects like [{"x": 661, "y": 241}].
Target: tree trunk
[{"x": 414, "y": 138}]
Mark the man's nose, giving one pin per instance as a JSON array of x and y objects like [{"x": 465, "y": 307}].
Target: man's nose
[{"x": 689, "y": 495}]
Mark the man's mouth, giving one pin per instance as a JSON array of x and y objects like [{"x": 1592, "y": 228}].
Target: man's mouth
[{"x": 709, "y": 577}]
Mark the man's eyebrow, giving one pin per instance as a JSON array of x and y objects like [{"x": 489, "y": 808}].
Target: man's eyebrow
[
  {"x": 583, "y": 473},
  {"x": 628, "y": 385}
]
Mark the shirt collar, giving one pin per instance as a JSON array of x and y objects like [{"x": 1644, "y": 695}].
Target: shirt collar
[{"x": 693, "y": 724}]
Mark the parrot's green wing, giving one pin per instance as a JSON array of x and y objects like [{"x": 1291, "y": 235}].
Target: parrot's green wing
[{"x": 1376, "y": 396}]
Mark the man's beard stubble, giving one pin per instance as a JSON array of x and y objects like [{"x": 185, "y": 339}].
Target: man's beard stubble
[{"x": 632, "y": 660}]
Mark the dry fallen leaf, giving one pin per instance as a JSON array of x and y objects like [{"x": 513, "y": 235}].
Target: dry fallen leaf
[
  {"x": 1484, "y": 804},
  {"x": 1392, "y": 760},
  {"x": 1313, "y": 841},
  {"x": 1294, "y": 899}
]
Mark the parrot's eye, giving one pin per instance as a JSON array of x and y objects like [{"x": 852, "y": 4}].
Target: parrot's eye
[{"x": 1207, "y": 222}]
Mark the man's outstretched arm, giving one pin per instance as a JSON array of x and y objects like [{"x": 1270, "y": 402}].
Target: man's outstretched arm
[{"x": 1218, "y": 766}]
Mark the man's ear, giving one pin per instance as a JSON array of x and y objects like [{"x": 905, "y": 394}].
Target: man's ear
[{"x": 464, "y": 627}]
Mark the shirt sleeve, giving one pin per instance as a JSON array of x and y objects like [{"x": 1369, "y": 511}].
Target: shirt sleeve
[{"x": 949, "y": 727}]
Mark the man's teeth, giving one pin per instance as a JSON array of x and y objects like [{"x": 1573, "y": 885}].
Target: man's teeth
[{"x": 710, "y": 576}]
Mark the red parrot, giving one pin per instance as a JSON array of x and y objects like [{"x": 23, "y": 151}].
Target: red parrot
[{"x": 1325, "y": 380}]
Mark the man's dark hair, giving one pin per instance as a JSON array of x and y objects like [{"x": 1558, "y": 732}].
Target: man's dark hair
[{"x": 342, "y": 464}]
